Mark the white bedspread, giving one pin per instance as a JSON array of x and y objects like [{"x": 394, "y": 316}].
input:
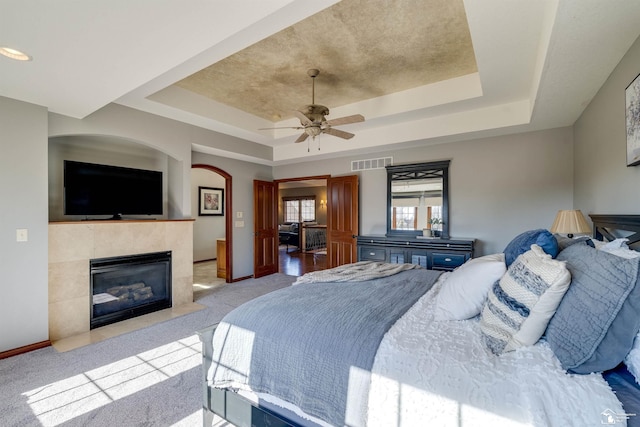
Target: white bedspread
[{"x": 440, "y": 373}]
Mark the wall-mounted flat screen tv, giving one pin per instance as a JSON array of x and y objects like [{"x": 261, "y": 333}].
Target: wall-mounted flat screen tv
[{"x": 94, "y": 189}]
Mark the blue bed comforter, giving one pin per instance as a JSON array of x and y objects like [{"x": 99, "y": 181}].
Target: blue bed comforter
[{"x": 313, "y": 345}]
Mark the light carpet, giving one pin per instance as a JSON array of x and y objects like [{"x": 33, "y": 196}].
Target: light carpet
[{"x": 150, "y": 377}]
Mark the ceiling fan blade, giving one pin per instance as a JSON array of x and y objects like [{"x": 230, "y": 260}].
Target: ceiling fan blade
[
  {"x": 283, "y": 127},
  {"x": 303, "y": 119},
  {"x": 346, "y": 120},
  {"x": 302, "y": 137},
  {"x": 339, "y": 133}
]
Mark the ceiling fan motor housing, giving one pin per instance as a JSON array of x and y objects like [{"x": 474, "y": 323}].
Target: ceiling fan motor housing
[{"x": 315, "y": 112}]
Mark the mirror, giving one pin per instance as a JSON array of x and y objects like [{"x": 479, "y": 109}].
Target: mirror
[{"x": 417, "y": 199}]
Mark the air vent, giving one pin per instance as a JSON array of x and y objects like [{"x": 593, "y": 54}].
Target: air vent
[{"x": 361, "y": 165}]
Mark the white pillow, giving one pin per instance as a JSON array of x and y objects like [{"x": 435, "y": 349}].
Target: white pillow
[
  {"x": 520, "y": 306},
  {"x": 464, "y": 292},
  {"x": 633, "y": 359},
  {"x": 624, "y": 253},
  {"x": 614, "y": 244},
  {"x": 619, "y": 248}
]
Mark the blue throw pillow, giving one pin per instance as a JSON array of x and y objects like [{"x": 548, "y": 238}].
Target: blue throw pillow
[
  {"x": 522, "y": 243},
  {"x": 597, "y": 320}
]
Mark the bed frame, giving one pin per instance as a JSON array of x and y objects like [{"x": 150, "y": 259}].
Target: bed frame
[
  {"x": 609, "y": 227},
  {"x": 243, "y": 413}
]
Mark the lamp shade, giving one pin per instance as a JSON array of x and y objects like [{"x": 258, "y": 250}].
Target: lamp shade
[{"x": 570, "y": 222}]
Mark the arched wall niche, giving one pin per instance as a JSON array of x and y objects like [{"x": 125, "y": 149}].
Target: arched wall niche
[
  {"x": 119, "y": 151},
  {"x": 167, "y": 136}
]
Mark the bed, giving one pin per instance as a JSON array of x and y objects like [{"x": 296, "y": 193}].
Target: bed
[{"x": 376, "y": 344}]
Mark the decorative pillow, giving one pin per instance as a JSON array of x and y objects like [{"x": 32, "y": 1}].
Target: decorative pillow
[
  {"x": 464, "y": 292},
  {"x": 522, "y": 243},
  {"x": 596, "y": 322},
  {"x": 284, "y": 227},
  {"x": 520, "y": 305}
]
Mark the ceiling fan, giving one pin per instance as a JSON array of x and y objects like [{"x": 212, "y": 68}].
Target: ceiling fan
[{"x": 313, "y": 121}]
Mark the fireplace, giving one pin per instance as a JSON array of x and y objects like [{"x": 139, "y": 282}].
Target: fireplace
[{"x": 129, "y": 286}]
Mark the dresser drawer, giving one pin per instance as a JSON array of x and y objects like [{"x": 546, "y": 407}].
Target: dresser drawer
[
  {"x": 436, "y": 254},
  {"x": 447, "y": 261},
  {"x": 372, "y": 254}
]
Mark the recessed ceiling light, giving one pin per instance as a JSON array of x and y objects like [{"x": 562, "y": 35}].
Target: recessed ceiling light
[{"x": 14, "y": 54}]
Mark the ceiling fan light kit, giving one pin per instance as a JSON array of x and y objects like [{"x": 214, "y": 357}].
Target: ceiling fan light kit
[{"x": 313, "y": 121}]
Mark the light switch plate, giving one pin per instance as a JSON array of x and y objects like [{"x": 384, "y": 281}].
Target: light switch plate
[
  {"x": 239, "y": 214},
  {"x": 239, "y": 224},
  {"x": 22, "y": 235}
]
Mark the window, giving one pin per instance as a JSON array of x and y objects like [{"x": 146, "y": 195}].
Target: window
[
  {"x": 299, "y": 209},
  {"x": 404, "y": 217},
  {"x": 432, "y": 213}
]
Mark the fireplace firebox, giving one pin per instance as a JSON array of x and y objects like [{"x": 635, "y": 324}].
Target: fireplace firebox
[{"x": 129, "y": 286}]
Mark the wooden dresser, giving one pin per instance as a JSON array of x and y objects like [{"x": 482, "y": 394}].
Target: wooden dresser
[{"x": 433, "y": 253}]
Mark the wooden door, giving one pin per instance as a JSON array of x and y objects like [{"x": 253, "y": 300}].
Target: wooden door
[
  {"x": 265, "y": 240},
  {"x": 342, "y": 220}
]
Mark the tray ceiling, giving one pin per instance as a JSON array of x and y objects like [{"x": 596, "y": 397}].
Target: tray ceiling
[
  {"x": 361, "y": 54},
  {"x": 421, "y": 72}
]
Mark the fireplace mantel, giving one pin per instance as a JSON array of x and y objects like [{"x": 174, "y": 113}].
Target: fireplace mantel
[{"x": 73, "y": 243}]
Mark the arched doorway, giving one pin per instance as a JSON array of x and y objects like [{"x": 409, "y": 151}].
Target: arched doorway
[{"x": 228, "y": 264}]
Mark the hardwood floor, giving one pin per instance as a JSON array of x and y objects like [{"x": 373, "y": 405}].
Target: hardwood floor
[
  {"x": 296, "y": 263},
  {"x": 292, "y": 262}
]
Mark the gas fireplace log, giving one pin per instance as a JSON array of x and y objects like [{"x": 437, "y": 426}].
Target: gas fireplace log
[
  {"x": 125, "y": 289},
  {"x": 142, "y": 297}
]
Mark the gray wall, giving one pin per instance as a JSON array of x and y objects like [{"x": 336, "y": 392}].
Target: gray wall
[
  {"x": 603, "y": 182},
  {"x": 499, "y": 186},
  {"x": 23, "y": 190}
]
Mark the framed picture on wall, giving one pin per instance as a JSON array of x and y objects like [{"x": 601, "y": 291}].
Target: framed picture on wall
[
  {"x": 210, "y": 201},
  {"x": 632, "y": 95}
]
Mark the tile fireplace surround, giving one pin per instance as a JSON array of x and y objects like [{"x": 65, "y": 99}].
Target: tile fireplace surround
[{"x": 73, "y": 244}]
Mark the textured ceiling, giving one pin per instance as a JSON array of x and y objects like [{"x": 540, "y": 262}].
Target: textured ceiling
[{"x": 363, "y": 48}]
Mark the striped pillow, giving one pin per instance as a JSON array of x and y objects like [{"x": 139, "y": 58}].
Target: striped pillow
[{"x": 521, "y": 304}]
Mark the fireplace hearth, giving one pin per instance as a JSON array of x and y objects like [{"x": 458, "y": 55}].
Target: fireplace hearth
[{"x": 129, "y": 286}]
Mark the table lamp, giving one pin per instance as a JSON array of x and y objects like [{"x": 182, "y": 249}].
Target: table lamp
[{"x": 570, "y": 222}]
